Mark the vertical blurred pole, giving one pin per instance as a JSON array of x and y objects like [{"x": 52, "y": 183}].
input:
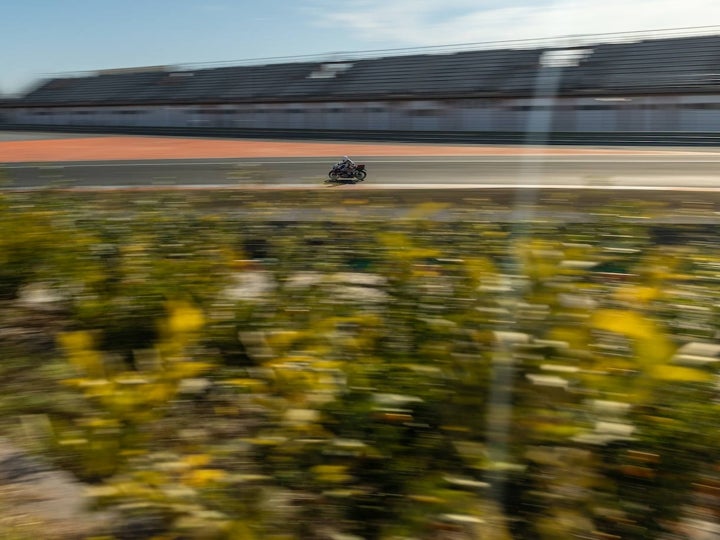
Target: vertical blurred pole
[{"x": 538, "y": 128}]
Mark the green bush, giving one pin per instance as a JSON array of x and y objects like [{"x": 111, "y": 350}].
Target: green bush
[{"x": 234, "y": 376}]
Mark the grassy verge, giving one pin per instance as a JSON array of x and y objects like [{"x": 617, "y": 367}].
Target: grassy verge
[{"x": 255, "y": 365}]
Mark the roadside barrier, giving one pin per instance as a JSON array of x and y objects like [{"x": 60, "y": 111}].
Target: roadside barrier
[{"x": 617, "y": 138}]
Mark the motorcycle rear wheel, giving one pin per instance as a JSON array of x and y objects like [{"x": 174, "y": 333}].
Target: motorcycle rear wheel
[{"x": 360, "y": 175}]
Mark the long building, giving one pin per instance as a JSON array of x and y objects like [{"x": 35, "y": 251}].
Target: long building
[{"x": 647, "y": 85}]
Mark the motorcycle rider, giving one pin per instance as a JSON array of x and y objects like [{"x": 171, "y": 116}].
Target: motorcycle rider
[{"x": 345, "y": 166}]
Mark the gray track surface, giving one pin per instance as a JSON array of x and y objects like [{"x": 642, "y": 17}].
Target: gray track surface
[
  {"x": 689, "y": 170},
  {"x": 6, "y": 136}
]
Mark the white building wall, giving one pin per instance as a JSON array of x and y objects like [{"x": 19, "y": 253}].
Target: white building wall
[
  {"x": 591, "y": 114},
  {"x": 698, "y": 113},
  {"x": 314, "y": 116},
  {"x": 506, "y": 116},
  {"x": 331, "y": 116},
  {"x": 591, "y": 118},
  {"x": 357, "y": 116},
  {"x": 474, "y": 115},
  {"x": 378, "y": 115},
  {"x": 563, "y": 118}
]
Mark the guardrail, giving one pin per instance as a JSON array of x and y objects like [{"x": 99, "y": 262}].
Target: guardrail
[{"x": 616, "y": 138}]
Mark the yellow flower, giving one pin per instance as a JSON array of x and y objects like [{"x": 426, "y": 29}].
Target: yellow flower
[
  {"x": 80, "y": 340},
  {"x": 203, "y": 477},
  {"x": 184, "y": 318},
  {"x": 196, "y": 460},
  {"x": 334, "y": 474},
  {"x": 79, "y": 349}
]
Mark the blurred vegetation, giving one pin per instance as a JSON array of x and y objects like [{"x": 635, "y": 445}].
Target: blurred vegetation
[{"x": 220, "y": 375}]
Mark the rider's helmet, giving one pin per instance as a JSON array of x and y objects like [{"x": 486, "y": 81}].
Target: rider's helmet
[{"x": 345, "y": 158}]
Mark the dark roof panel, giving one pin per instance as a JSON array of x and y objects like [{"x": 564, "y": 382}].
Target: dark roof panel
[{"x": 661, "y": 65}]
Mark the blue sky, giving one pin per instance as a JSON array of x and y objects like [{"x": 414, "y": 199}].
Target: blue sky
[{"x": 43, "y": 37}]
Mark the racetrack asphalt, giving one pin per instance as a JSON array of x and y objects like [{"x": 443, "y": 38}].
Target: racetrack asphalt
[{"x": 34, "y": 160}]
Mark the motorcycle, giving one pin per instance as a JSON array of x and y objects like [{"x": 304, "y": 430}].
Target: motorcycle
[{"x": 352, "y": 175}]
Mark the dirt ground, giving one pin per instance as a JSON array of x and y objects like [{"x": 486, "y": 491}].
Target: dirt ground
[{"x": 102, "y": 148}]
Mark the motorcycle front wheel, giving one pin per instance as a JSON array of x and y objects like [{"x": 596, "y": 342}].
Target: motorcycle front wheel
[
  {"x": 360, "y": 175},
  {"x": 332, "y": 175}
]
